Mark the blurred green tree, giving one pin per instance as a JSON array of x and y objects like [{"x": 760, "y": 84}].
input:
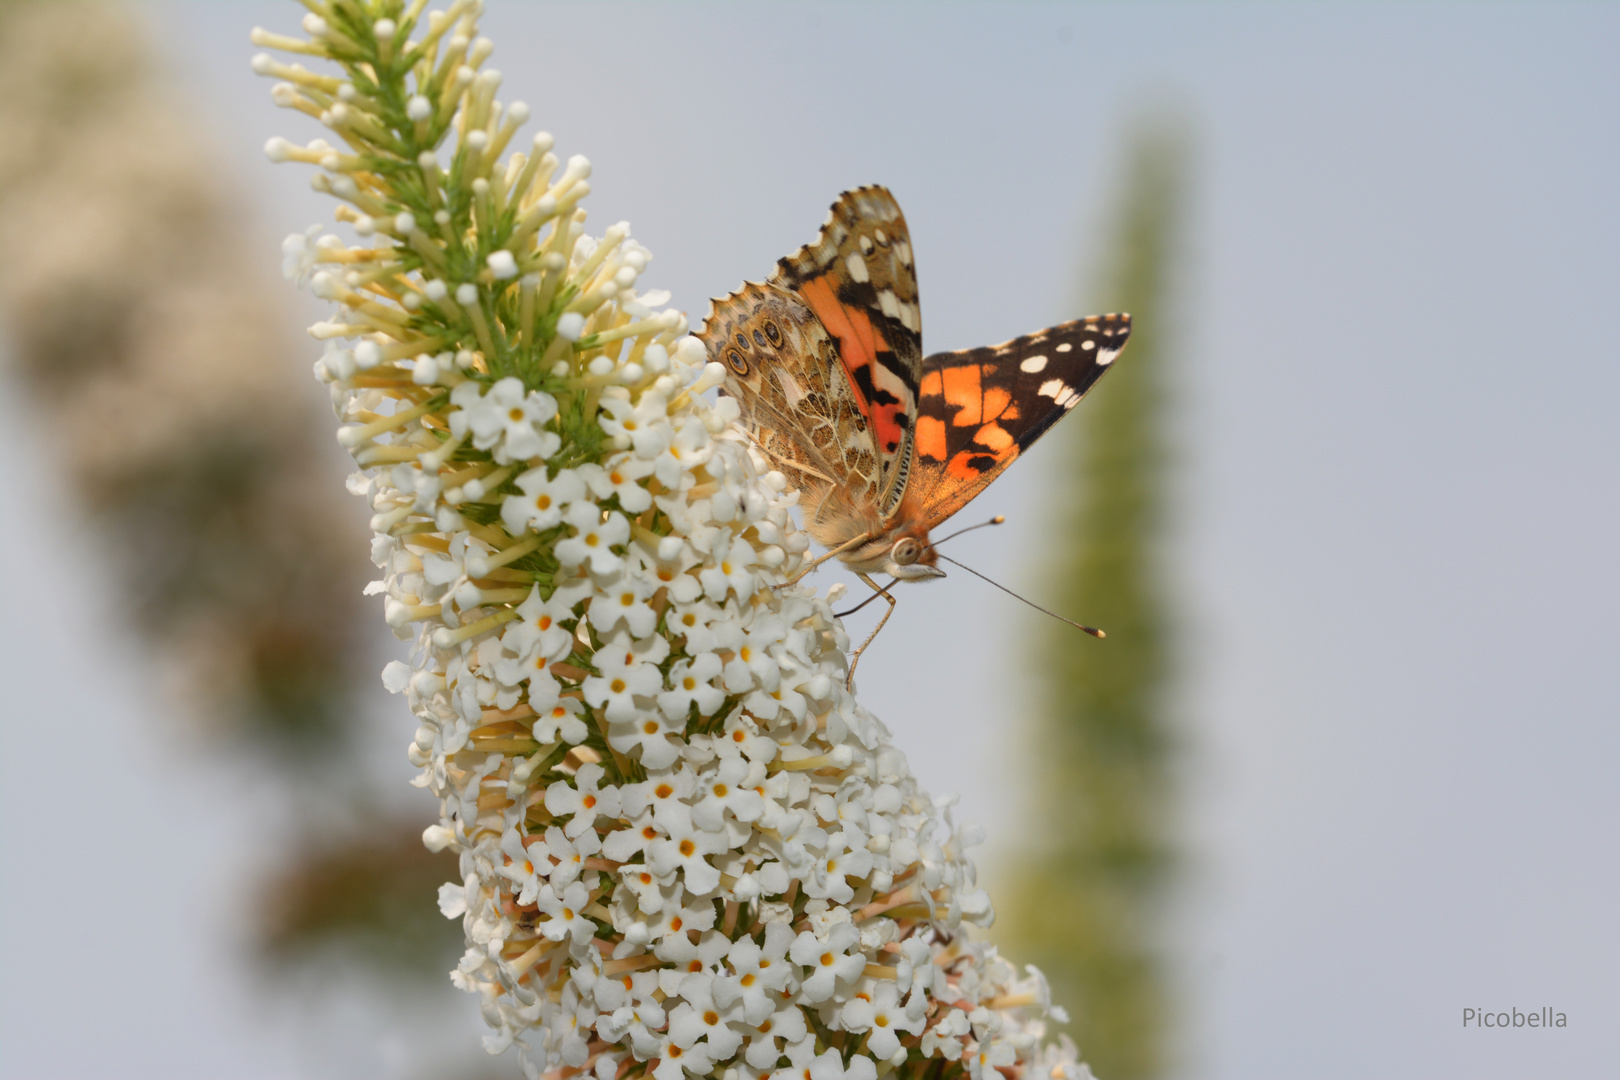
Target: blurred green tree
[{"x": 1086, "y": 892}]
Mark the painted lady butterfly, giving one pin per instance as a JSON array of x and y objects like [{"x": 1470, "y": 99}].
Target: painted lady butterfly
[{"x": 825, "y": 359}]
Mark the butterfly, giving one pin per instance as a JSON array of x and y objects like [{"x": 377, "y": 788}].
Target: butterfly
[{"x": 884, "y": 444}]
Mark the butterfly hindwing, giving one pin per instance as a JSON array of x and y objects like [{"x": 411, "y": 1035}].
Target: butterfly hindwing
[
  {"x": 783, "y": 368},
  {"x": 978, "y": 409},
  {"x": 859, "y": 278}
]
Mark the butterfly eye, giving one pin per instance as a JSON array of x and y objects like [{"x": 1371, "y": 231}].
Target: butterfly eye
[
  {"x": 773, "y": 334},
  {"x": 759, "y": 339},
  {"x": 738, "y": 363},
  {"x": 905, "y": 551}
]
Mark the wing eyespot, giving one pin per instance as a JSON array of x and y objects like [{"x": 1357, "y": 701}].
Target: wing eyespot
[
  {"x": 773, "y": 334},
  {"x": 737, "y": 361},
  {"x": 742, "y": 342},
  {"x": 759, "y": 338}
]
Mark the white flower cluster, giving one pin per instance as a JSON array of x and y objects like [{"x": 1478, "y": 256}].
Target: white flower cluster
[{"x": 684, "y": 847}]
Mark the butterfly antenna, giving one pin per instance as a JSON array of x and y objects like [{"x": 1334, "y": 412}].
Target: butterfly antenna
[
  {"x": 1092, "y": 630},
  {"x": 997, "y": 520}
]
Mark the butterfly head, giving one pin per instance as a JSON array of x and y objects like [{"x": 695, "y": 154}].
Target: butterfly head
[{"x": 912, "y": 558}]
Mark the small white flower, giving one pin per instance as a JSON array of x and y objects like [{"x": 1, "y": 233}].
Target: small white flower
[
  {"x": 785, "y": 1025},
  {"x": 585, "y": 800},
  {"x": 730, "y": 790},
  {"x": 506, "y": 415},
  {"x": 732, "y": 569},
  {"x": 688, "y": 958},
  {"x": 648, "y": 888},
  {"x": 623, "y": 844},
  {"x": 637, "y": 1020},
  {"x": 623, "y": 601},
  {"x": 846, "y": 857},
  {"x": 884, "y": 1016},
  {"x": 669, "y": 565},
  {"x": 619, "y": 477},
  {"x": 698, "y": 1017},
  {"x": 629, "y": 670},
  {"x": 756, "y": 970},
  {"x": 666, "y": 795},
  {"x": 570, "y": 854},
  {"x": 829, "y": 1065},
  {"x": 543, "y": 501},
  {"x": 567, "y": 913},
  {"x": 644, "y": 426},
  {"x": 538, "y": 630},
  {"x": 691, "y": 683},
  {"x": 688, "y": 850},
  {"x": 692, "y": 620},
  {"x": 830, "y": 967},
  {"x": 595, "y": 538},
  {"x": 688, "y": 449},
  {"x": 561, "y": 720},
  {"x": 753, "y": 665},
  {"x": 526, "y": 871},
  {"x": 988, "y": 1058},
  {"x": 675, "y": 1061}
]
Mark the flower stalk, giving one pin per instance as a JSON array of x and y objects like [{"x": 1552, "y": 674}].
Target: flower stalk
[{"x": 685, "y": 848}]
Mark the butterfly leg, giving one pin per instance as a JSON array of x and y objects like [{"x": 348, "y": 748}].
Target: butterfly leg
[
  {"x": 839, "y": 550},
  {"x": 855, "y": 657}
]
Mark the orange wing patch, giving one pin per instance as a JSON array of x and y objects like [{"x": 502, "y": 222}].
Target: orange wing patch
[
  {"x": 971, "y": 464},
  {"x": 993, "y": 436},
  {"x": 931, "y": 437},
  {"x": 859, "y": 341},
  {"x": 962, "y": 393},
  {"x": 964, "y": 390}
]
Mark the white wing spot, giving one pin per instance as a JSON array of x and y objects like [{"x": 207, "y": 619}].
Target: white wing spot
[
  {"x": 1052, "y": 388},
  {"x": 1088, "y": 345},
  {"x": 1106, "y": 357},
  {"x": 1065, "y": 347},
  {"x": 867, "y": 245},
  {"x": 882, "y": 237},
  {"x": 1032, "y": 364},
  {"x": 857, "y": 267}
]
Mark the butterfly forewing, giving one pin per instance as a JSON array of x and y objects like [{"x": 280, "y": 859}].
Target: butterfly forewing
[
  {"x": 859, "y": 278},
  {"x": 978, "y": 409}
]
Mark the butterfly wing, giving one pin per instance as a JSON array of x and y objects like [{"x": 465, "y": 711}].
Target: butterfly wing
[
  {"x": 978, "y": 409},
  {"x": 783, "y": 368},
  {"x": 859, "y": 279}
]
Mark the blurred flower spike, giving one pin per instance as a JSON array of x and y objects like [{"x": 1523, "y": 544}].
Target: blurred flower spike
[{"x": 684, "y": 848}]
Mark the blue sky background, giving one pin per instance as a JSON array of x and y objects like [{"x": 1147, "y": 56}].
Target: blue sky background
[{"x": 1398, "y": 512}]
